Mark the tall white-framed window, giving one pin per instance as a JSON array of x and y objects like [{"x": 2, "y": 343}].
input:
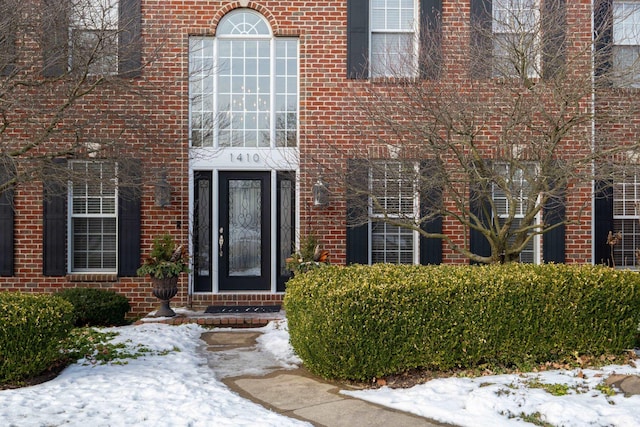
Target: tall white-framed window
[
  {"x": 394, "y": 195},
  {"x": 94, "y": 36},
  {"x": 626, "y": 43},
  {"x": 626, "y": 219},
  {"x": 243, "y": 85},
  {"x": 516, "y": 201},
  {"x": 394, "y": 38},
  {"x": 515, "y": 25},
  {"x": 93, "y": 217}
]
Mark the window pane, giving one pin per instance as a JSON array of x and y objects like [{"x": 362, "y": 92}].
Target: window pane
[
  {"x": 249, "y": 94},
  {"x": 94, "y": 244},
  {"x": 626, "y": 23},
  {"x": 392, "y": 15},
  {"x": 94, "y": 36},
  {"x": 528, "y": 253},
  {"x": 93, "y": 217},
  {"x": 243, "y": 22},
  {"x": 393, "y": 29},
  {"x": 626, "y": 65},
  {"x": 626, "y": 196},
  {"x": 392, "y": 54},
  {"x": 391, "y": 244},
  {"x": 95, "y": 51},
  {"x": 516, "y": 192},
  {"x": 245, "y": 93},
  {"x": 201, "y": 77},
  {"x": 624, "y": 252},
  {"x": 515, "y": 41},
  {"x": 515, "y": 54},
  {"x": 392, "y": 186},
  {"x": 94, "y": 205},
  {"x": 514, "y": 15},
  {"x": 286, "y": 101},
  {"x": 378, "y": 15}
]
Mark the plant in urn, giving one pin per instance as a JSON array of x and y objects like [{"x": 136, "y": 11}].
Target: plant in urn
[{"x": 164, "y": 265}]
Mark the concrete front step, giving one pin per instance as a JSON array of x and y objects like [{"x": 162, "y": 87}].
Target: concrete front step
[{"x": 221, "y": 320}]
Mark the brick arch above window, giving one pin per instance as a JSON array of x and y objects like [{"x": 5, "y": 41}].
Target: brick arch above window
[{"x": 273, "y": 23}]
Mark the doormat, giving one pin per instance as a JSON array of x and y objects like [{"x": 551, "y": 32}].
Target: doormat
[{"x": 243, "y": 309}]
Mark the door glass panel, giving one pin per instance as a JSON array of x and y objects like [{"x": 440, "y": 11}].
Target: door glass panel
[
  {"x": 203, "y": 229},
  {"x": 245, "y": 237},
  {"x": 203, "y": 245},
  {"x": 286, "y": 227}
]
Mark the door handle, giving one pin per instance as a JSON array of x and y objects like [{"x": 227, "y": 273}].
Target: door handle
[{"x": 221, "y": 240}]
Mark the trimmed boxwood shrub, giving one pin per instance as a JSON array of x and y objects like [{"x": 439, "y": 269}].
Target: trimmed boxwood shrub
[
  {"x": 32, "y": 328},
  {"x": 97, "y": 307},
  {"x": 361, "y": 322}
]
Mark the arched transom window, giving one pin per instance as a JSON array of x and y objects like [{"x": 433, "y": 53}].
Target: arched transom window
[{"x": 243, "y": 87}]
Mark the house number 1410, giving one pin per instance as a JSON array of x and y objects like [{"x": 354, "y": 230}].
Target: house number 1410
[{"x": 245, "y": 158}]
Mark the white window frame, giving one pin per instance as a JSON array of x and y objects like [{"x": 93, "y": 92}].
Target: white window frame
[
  {"x": 626, "y": 216},
  {"x": 522, "y": 199},
  {"x": 107, "y": 208},
  {"x": 510, "y": 23},
  {"x": 99, "y": 19},
  {"x": 626, "y": 43},
  {"x": 382, "y": 64},
  {"x": 378, "y": 217},
  {"x": 205, "y": 88}
]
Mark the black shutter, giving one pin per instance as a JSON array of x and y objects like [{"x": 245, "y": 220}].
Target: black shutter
[
  {"x": 553, "y": 241},
  {"x": 129, "y": 195},
  {"x": 603, "y": 220},
  {"x": 54, "y": 227},
  {"x": 55, "y": 37},
  {"x": 430, "y": 38},
  {"x": 129, "y": 39},
  {"x": 603, "y": 27},
  {"x": 481, "y": 38},
  {"x": 357, "y": 39},
  {"x": 480, "y": 207},
  {"x": 430, "y": 198},
  {"x": 6, "y": 225},
  {"x": 357, "y": 212},
  {"x": 8, "y": 25},
  {"x": 554, "y": 38}
]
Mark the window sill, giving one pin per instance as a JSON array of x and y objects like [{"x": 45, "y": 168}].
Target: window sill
[
  {"x": 394, "y": 80},
  {"x": 93, "y": 277}
]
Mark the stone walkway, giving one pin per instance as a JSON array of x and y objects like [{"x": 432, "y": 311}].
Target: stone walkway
[
  {"x": 295, "y": 393},
  {"x": 627, "y": 384}
]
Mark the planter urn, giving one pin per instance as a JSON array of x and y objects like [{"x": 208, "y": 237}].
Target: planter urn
[{"x": 164, "y": 289}]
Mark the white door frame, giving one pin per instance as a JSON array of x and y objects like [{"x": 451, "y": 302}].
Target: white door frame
[{"x": 241, "y": 159}]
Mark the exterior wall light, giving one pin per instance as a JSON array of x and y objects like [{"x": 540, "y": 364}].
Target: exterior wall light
[
  {"x": 320, "y": 193},
  {"x": 163, "y": 191}
]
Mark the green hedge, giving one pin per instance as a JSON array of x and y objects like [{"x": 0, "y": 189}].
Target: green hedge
[
  {"x": 360, "y": 322},
  {"x": 97, "y": 307},
  {"x": 32, "y": 328}
]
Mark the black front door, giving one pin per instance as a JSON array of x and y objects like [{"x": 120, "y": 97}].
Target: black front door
[{"x": 244, "y": 233}]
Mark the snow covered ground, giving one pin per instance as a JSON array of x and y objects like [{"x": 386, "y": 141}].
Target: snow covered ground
[
  {"x": 503, "y": 400},
  {"x": 181, "y": 389},
  {"x": 173, "y": 390}
]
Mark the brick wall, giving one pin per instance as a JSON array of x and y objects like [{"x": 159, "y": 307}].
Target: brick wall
[{"x": 154, "y": 123}]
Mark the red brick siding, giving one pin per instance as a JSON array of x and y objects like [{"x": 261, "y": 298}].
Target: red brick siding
[{"x": 330, "y": 132}]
